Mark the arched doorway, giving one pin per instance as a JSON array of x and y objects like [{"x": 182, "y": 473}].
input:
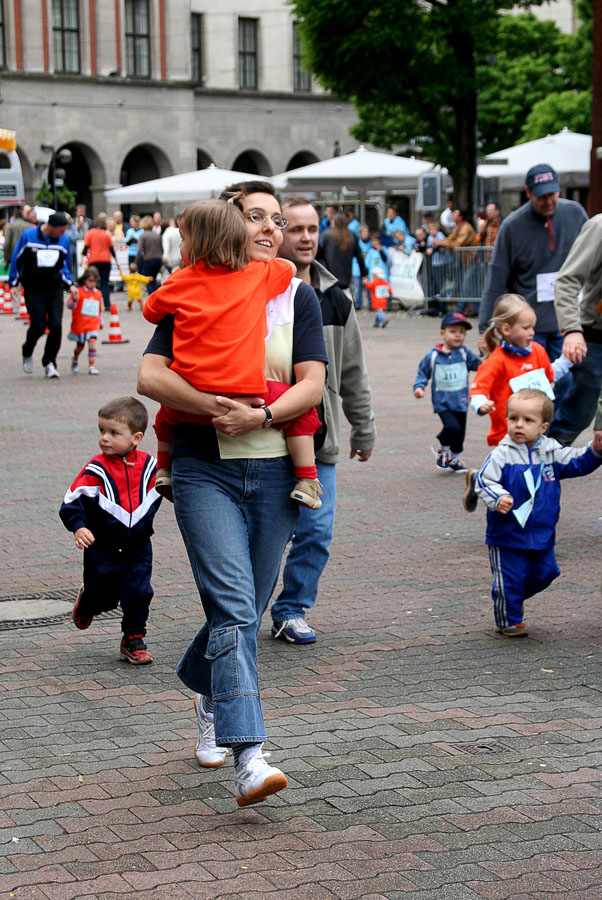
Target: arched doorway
[
  {"x": 143, "y": 163},
  {"x": 253, "y": 162},
  {"x": 78, "y": 175},
  {"x": 302, "y": 158},
  {"x": 203, "y": 160}
]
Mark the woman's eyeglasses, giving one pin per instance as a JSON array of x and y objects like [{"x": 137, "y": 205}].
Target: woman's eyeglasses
[{"x": 258, "y": 216}]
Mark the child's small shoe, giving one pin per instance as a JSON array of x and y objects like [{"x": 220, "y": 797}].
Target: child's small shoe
[
  {"x": 81, "y": 620},
  {"x": 134, "y": 650},
  {"x": 443, "y": 460},
  {"x": 456, "y": 464},
  {"x": 92, "y": 370},
  {"x": 470, "y": 498},
  {"x": 307, "y": 492},
  {"x": 163, "y": 484},
  {"x": 74, "y": 366},
  {"x": 519, "y": 629}
]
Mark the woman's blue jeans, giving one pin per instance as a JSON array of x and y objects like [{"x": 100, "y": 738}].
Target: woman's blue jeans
[{"x": 236, "y": 518}]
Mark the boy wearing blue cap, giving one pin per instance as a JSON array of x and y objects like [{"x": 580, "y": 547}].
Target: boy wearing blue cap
[{"x": 448, "y": 364}]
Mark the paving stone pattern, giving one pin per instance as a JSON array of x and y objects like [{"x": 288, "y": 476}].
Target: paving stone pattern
[{"x": 99, "y": 793}]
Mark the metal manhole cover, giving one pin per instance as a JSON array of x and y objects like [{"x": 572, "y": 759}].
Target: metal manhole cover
[
  {"x": 38, "y": 608},
  {"x": 482, "y": 748}
]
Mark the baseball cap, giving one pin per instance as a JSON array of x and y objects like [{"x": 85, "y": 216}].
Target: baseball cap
[
  {"x": 378, "y": 272},
  {"x": 57, "y": 220},
  {"x": 455, "y": 318},
  {"x": 542, "y": 179}
]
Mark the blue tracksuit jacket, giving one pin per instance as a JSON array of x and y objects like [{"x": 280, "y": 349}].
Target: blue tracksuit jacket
[{"x": 502, "y": 473}]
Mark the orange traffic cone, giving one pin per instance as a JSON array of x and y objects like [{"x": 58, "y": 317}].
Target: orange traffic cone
[
  {"x": 115, "y": 328},
  {"x": 7, "y": 309},
  {"x": 23, "y": 314}
]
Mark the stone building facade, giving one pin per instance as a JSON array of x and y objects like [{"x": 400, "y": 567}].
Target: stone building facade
[{"x": 140, "y": 89}]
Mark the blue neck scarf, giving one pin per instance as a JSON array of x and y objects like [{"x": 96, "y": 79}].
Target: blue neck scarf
[{"x": 516, "y": 351}]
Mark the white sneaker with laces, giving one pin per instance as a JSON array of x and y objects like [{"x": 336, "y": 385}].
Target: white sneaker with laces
[
  {"x": 295, "y": 631},
  {"x": 28, "y": 364},
  {"x": 51, "y": 371},
  {"x": 93, "y": 371},
  {"x": 255, "y": 780},
  {"x": 206, "y": 751}
]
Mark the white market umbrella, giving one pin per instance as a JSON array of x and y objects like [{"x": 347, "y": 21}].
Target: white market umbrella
[
  {"x": 183, "y": 188},
  {"x": 567, "y": 152},
  {"x": 362, "y": 170}
]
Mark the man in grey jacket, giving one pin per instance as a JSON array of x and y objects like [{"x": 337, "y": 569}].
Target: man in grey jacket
[
  {"x": 580, "y": 322},
  {"x": 347, "y": 378},
  {"x": 531, "y": 246}
]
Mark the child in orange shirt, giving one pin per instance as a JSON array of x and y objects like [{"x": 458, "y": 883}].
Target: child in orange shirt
[
  {"x": 86, "y": 319},
  {"x": 218, "y": 301},
  {"x": 380, "y": 291},
  {"x": 514, "y": 361}
]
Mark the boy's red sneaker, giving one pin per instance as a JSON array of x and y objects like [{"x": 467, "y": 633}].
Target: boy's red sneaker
[
  {"x": 79, "y": 619},
  {"x": 133, "y": 649}
]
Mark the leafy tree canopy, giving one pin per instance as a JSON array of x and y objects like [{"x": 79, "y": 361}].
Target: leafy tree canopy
[
  {"x": 419, "y": 71},
  {"x": 556, "y": 111}
]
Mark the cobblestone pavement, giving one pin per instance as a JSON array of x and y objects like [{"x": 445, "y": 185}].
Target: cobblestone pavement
[{"x": 427, "y": 757}]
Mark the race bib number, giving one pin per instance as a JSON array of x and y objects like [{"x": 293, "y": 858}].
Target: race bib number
[
  {"x": 380, "y": 291},
  {"x": 545, "y": 287},
  {"x": 535, "y": 380},
  {"x": 90, "y": 307},
  {"x": 47, "y": 258},
  {"x": 451, "y": 378}
]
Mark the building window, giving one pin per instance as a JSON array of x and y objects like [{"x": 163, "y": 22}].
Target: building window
[
  {"x": 137, "y": 38},
  {"x": 196, "y": 45},
  {"x": 65, "y": 34},
  {"x": 301, "y": 76},
  {"x": 247, "y": 53}
]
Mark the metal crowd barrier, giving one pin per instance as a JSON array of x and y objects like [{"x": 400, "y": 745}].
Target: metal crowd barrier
[{"x": 455, "y": 277}]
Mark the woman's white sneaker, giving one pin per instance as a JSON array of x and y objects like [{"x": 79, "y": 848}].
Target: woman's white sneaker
[
  {"x": 255, "y": 780},
  {"x": 206, "y": 751}
]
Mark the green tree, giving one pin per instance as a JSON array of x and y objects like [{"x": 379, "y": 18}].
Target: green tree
[
  {"x": 417, "y": 70},
  {"x": 569, "y": 109}
]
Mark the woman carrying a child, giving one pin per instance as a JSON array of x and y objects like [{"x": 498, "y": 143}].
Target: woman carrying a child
[{"x": 231, "y": 485}]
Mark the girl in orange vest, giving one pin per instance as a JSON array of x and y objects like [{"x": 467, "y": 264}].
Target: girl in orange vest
[{"x": 86, "y": 319}]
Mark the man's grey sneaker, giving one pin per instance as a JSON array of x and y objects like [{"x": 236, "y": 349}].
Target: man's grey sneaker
[
  {"x": 51, "y": 371},
  {"x": 295, "y": 631},
  {"x": 443, "y": 460},
  {"x": 28, "y": 364},
  {"x": 470, "y": 498},
  {"x": 206, "y": 751},
  {"x": 456, "y": 464},
  {"x": 256, "y": 780}
]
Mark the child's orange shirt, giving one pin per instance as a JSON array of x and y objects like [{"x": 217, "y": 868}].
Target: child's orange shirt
[
  {"x": 220, "y": 322},
  {"x": 86, "y": 311},
  {"x": 492, "y": 379},
  {"x": 380, "y": 291}
]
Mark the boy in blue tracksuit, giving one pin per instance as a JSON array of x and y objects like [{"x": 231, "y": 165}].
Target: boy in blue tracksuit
[
  {"x": 520, "y": 484},
  {"x": 448, "y": 365}
]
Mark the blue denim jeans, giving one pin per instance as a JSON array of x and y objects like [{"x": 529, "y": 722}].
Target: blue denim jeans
[
  {"x": 552, "y": 342},
  {"x": 236, "y": 518},
  {"x": 578, "y": 404},
  {"x": 358, "y": 291},
  {"x": 309, "y": 552}
]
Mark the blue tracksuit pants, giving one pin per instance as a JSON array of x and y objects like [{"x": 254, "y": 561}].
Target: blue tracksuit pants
[
  {"x": 518, "y": 575},
  {"x": 111, "y": 581}
]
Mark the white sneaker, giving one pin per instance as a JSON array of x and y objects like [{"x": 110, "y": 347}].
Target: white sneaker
[
  {"x": 93, "y": 371},
  {"x": 255, "y": 780},
  {"x": 206, "y": 751},
  {"x": 28, "y": 364},
  {"x": 51, "y": 371}
]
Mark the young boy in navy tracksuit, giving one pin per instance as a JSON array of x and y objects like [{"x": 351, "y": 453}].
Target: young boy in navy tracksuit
[
  {"x": 448, "y": 364},
  {"x": 520, "y": 484},
  {"x": 110, "y": 508}
]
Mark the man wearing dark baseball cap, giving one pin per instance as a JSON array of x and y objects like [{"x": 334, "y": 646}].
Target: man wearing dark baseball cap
[
  {"x": 40, "y": 263},
  {"x": 532, "y": 244}
]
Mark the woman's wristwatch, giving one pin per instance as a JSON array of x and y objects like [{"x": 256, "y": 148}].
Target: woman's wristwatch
[{"x": 269, "y": 418}]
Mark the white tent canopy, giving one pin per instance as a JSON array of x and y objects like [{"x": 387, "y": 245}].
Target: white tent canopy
[
  {"x": 362, "y": 170},
  {"x": 182, "y": 188},
  {"x": 567, "y": 152}
]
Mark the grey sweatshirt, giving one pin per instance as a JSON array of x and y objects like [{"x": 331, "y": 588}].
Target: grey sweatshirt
[
  {"x": 581, "y": 269},
  {"x": 525, "y": 248}
]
